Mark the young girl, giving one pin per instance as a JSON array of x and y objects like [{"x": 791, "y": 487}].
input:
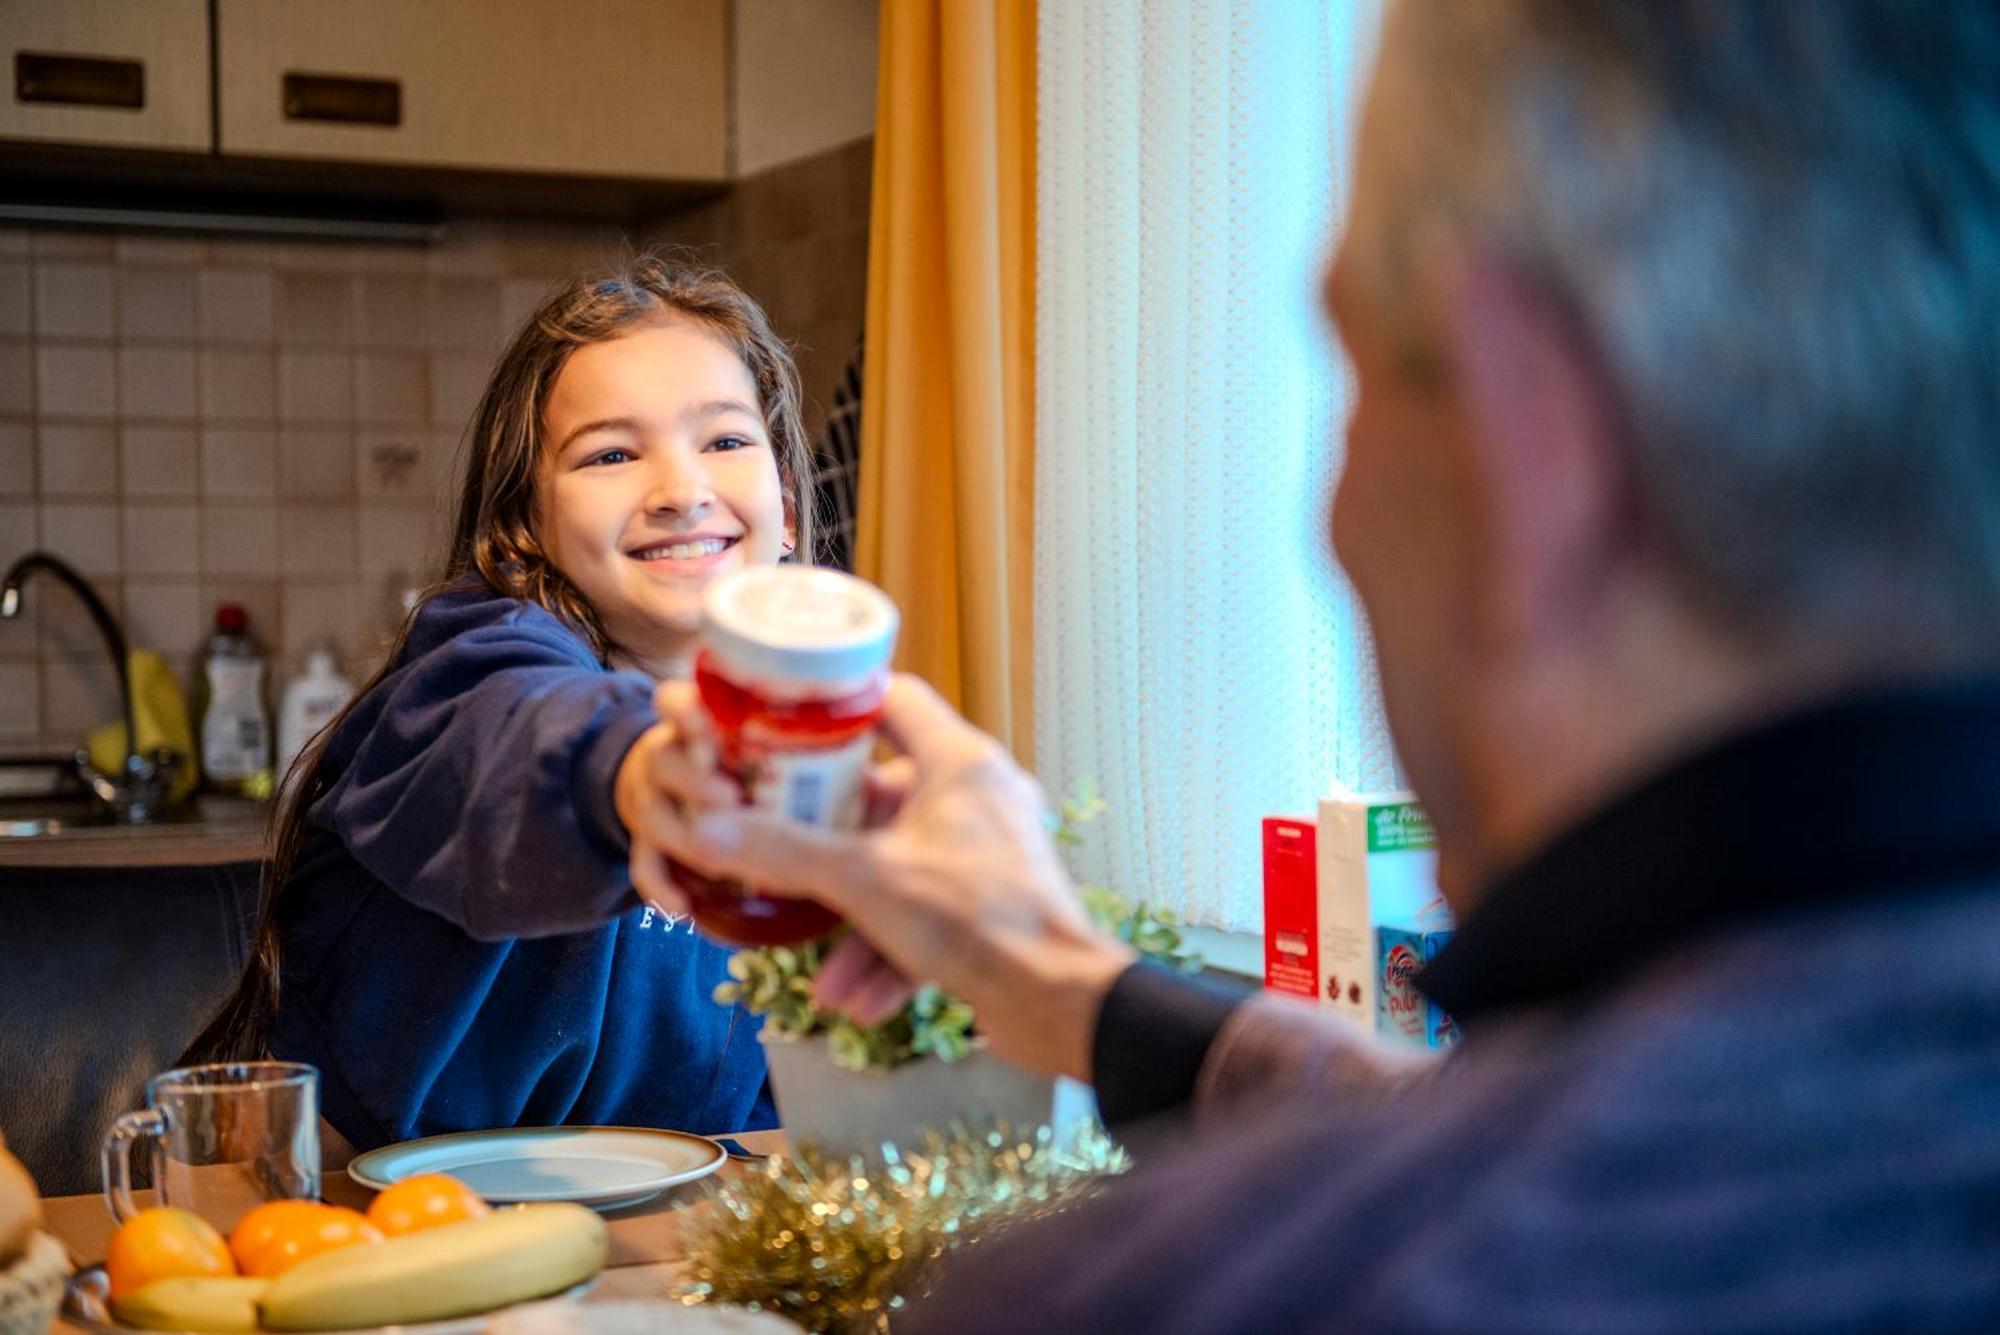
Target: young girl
[{"x": 451, "y": 932}]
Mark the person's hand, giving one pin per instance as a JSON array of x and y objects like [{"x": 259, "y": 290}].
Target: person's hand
[
  {"x": 669, "y": 773},
  {"x": 960, "y": 885},
  {"x": 665, "y": 775}
]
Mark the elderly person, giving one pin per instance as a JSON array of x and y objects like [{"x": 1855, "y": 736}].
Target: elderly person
[{"x": 1673, "y": 493}]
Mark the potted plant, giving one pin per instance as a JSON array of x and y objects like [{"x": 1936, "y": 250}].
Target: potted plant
[{"x": 849, "y": 1089}]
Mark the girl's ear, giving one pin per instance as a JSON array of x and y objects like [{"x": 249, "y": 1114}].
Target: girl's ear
[{"x": 791, "y": 542}]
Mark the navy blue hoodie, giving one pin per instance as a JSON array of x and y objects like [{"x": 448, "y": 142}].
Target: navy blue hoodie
[{"x": 461, "y": 944}]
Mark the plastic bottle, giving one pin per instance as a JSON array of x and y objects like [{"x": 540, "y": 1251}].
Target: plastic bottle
[
  {"x": 235, "y": 726},
  {"x": 311, "y": 701},
  {"x": 793, "y": 671}
]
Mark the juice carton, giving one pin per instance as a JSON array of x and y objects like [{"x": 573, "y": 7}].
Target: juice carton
[
  {"x": 1291, "y": 915},
  {"x": 1403, "y": 1013},
  {"x": 1369, "y": 859}
]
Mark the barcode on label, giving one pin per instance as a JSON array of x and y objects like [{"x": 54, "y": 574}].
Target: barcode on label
[
  {"x": 808, "y": 797},
  {"x": 815, "y": 787}
]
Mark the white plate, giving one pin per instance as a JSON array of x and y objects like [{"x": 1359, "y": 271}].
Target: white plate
[{"x": 601, "y": 1166}]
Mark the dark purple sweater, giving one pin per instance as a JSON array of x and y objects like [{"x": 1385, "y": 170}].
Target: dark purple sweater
[
  {"x": 462, "y": 946},
  {"x": 1732, "y": 1063}
]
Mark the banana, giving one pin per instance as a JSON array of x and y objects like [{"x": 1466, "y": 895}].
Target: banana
[
  {"x": 454, "y": 1270},
  {"x": 224, "y": 1304}
]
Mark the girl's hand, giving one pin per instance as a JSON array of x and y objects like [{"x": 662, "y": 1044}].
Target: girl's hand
[
  {"x": 667, "y": 776},
  {"x": 960, "y": 885}
]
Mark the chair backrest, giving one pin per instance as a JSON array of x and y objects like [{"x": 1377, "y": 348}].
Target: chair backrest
[{"x": 106, "y": 973}]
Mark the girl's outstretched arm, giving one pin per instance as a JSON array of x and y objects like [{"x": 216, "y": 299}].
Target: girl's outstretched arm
[{"x": 477, "y": 778}]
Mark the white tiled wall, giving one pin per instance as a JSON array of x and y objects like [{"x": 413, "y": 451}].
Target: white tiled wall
[{"x": 191, "y": 422}]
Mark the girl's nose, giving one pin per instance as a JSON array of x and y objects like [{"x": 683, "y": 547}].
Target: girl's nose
[{"x": 678, "y": 484}]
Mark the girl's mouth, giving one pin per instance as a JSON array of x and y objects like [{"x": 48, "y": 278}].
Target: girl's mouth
[{"x": 685, "y": 554}]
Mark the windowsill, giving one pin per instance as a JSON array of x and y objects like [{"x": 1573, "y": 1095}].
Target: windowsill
[{"x": 1237, "y": 954}]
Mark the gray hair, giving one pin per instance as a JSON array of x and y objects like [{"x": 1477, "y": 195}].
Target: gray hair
[{"x": 1778, "y": 224}]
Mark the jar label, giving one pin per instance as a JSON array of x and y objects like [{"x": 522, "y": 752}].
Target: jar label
[{"x": 814, "y": 787}]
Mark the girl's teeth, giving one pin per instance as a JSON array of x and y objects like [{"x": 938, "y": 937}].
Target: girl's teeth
[{"x": 688, "y": 551}]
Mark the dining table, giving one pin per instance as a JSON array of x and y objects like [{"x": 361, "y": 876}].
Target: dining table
[{"x": 647, "y": 1249}]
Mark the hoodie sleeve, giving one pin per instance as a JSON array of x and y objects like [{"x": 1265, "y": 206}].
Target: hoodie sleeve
[{"x": 475, "y": 779}]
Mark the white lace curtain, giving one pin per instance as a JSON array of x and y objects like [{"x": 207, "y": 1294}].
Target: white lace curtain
[{"x": 1197, "y": 654}]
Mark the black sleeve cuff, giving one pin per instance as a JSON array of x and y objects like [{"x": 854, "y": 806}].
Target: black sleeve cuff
[{"x": 1152, "y": 1036}]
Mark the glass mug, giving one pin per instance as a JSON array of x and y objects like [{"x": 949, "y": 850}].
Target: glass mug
[{"x": 225, "y": 1138}]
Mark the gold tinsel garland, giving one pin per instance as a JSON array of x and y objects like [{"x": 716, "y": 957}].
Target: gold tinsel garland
[{"x": 841, "y": 1244}]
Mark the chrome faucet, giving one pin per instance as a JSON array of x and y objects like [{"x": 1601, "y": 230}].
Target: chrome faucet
[{"x": 137, "y": 791}]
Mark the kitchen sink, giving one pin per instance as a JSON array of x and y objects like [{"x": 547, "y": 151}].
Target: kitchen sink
[{"x": 32, "y": 816}]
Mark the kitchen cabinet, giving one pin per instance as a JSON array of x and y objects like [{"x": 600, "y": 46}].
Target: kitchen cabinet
[
  {"x": 120, "y": 73},
  {"x": 630, "y": 88},
  {"x": 369, "y": 97}
]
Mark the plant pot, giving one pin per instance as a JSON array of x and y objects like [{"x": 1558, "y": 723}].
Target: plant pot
[{"x": 855, "y": 1112}]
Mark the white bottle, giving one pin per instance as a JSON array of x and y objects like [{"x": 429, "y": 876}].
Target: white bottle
[
  {"x": 235, "y": 727},
  {"x": 311, "y": 701}
]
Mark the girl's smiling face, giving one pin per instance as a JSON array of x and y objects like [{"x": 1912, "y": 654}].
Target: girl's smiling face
[{"x": 657, "y": 476}]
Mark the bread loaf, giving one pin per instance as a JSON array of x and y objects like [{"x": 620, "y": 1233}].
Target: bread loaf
[{"x": 20, "y": 1208}]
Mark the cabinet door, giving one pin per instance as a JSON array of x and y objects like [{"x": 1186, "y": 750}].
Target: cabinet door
[
  {"x": 123, "y": 72},
  {"x": 588, "y": 87}
]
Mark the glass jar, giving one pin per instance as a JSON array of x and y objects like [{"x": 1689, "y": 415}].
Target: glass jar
[{"x": 793, "y": 671}]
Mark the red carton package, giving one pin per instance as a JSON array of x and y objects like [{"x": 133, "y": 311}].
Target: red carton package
[{"x": 1291, "y": 906}]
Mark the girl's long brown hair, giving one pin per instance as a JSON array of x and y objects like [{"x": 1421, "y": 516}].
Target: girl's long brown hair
[{"x": 493, "y": 534}]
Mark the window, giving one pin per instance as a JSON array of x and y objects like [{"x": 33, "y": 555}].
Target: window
[{"x": 1197, "y": 654}]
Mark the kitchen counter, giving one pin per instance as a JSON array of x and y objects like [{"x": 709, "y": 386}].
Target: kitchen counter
[{"x": 215, "y": 830}]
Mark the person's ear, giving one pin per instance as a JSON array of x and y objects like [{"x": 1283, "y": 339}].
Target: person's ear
[
  {"x": 790, "y": 545},
  {"x": 1542, "y": 428}
]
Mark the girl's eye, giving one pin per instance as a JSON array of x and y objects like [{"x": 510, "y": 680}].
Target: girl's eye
[
  {"x": 731, "y": 443},
  {"x": 611, "y": 457}
]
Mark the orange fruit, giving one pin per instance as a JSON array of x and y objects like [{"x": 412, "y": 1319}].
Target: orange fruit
[
  {"x": 277, "y": 1235},
  {"x": 164, "y": 1243},
  {"x": 425, "y": 1201}
]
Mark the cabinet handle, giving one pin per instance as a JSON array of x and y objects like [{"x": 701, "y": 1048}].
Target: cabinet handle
[
  {"x": 343, "y": 99},
  {"x": 81, "y": 81}
]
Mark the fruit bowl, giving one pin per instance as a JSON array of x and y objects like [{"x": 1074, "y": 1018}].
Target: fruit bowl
[
  {"x": 169, "y": 1270},
  {"x": 29, "y": 1286},
  {"x": 86, "y": 1302}
]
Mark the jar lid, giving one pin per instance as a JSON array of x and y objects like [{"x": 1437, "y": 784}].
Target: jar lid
[{"x": 798, "y": 624}]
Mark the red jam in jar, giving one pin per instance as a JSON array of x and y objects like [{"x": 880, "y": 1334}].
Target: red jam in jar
[{"x": 793, "y": 671}]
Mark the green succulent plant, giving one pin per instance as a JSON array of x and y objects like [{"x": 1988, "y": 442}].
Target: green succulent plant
[{"x": 776, "y": 982}]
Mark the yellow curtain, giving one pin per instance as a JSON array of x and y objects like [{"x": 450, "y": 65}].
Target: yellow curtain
[{"x": 945, "y": 517}]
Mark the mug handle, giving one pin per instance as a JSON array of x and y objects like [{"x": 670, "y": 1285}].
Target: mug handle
[{"x": 117, "y": 1158}]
